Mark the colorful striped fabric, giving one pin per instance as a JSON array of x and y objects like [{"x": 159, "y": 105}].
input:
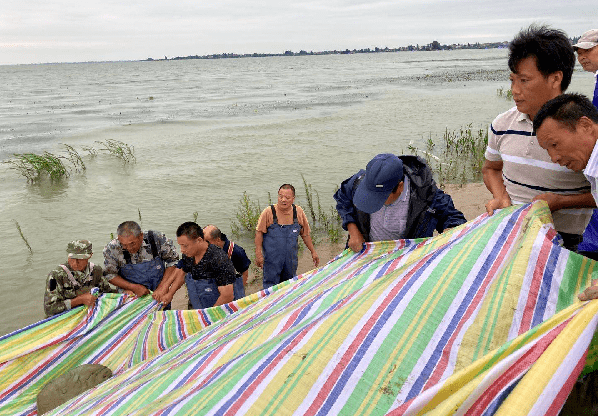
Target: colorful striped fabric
[{"x": 481, "y": 320}]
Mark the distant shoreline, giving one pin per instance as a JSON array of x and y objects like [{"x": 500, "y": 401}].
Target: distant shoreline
[{"x": 434, "y": 46}]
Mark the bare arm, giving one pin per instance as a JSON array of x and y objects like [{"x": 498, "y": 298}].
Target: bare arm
[
  {"x": 310, "y": 246},
  {"x": 259, "y": 257},
  {"x": 138, "y": 289},
  {"x": 492, "y": 173},
  {"x": 174, "y": 281},
  {"x": 556, "y": 201},
  {"x": 227, "y": 295},
  {"x": 245, "y": 275}
]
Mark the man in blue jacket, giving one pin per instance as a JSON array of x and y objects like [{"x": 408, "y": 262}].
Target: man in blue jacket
[{"x": 394, "y": 198}]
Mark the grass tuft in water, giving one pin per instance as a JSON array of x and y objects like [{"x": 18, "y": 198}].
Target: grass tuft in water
[
  {"x": 33, "y": 167},
  {"x": 118, "y": 149},
  {"x": 23, "y": 236}
]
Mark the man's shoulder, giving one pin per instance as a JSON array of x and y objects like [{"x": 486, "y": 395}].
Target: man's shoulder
[
  {"x": 511, "y": 121},
  {"x": 58, "y": 272},
  {"x": 113, "y": 245}
]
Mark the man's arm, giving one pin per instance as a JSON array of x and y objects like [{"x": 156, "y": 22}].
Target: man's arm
[
  {"x": 245, "y": 275},
  {"x": 137, "y": 289},
  {"x": 556, "y": 201},
  {"x": 227, "y": 295},
  {"x": 310, "y": 246},
  {"x": 344, "y": 201},
  {"x": 177, "y": 279},
  {"x": 168, "y": 285},
  {"x": 259, "y": 257},
  {"x": 492, "y": 173}
]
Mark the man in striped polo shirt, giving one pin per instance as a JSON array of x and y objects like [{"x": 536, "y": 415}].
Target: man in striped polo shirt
[{"x": 517, "y": 170}]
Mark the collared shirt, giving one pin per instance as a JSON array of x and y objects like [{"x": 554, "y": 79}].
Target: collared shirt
[
  {"x": 239, "y": 258},
  {"x": 389, "y": 222},
  {"x": 114, "y": 257},
  {"x": 214, "y": 264},
  {"x": 591, "y": 172},
  {"x": 528, "y": 171}
]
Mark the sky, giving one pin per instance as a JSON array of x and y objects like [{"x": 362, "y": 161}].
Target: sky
[{"x": 44, "y": 31}]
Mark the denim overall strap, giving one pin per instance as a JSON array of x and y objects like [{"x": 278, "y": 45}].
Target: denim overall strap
[{"x": 280, "y": 250}]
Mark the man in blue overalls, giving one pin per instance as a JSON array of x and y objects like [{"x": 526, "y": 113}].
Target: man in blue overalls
[
  {"x": 276, "y": 238},
  {"x": 209, "y": 273},
  {"x": 141, "y": 262}
]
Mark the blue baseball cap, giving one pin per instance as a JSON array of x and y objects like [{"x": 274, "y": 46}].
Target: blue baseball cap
[{"x": 382, "y": 174}]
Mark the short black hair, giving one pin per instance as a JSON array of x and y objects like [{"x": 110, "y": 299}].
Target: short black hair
[
  {"x": 287, "y": 186},
  {"x": 567, "y": 109},
  {"x": 551, "y": 48},
  {"x": 190, "y": 229}
]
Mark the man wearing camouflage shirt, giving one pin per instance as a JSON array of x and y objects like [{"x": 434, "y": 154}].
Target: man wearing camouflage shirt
[
  {"x": 69, "y": 285},
  {"x": 141, "y": 262}
]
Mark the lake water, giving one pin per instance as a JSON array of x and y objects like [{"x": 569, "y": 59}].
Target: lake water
[{"x": 205, "y": 131}]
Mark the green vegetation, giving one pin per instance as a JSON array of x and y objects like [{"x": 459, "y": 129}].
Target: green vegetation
[
  {"x": 457, "y": 157},
  {"x": 23, "y": 237},
  {"x": 247, "y": 215},
  {"x": 34, "y": 167},
  {"x": 507, "y": 94},
  {"x": 119, "y": 149}
]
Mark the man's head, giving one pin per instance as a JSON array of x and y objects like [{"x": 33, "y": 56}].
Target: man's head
[
  {"x": 213, "y": 235},
  {"x": 79, "y": 252},
  {"x": 587, "y": 50},
  {"x": 130, "y": 236},
  {"x": 286, "y": 195},
  {"x": 567, "y": 128},
  {"x": 382, "y": 181},
  {"x": 190, "y": 237},
  {"x": 541, "y": 61}
]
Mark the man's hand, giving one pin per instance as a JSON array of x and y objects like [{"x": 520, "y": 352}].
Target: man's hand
[
  {"x": 84, "y": 299},
  {"x": 259, "y": 260},
  {"x": 139, "y": 290},
  {"x": 315, "y": 258},
  {"x": 553, "y": 200},
  {"x": 498, "y": 203},
  {"x": 590, "y": 293},
  {"x": 356, "y": 239},
  {"x": 164, "y": 298}
]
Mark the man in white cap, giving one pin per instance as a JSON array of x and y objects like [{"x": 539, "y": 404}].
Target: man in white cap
[
  {"x": 69, "y": 285},
  {"x": 587, "y": 55},
  {"x": 394, "y": 198}
]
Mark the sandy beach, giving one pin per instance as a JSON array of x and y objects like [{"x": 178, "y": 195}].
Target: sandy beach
[{"x": 469, "y": 199}]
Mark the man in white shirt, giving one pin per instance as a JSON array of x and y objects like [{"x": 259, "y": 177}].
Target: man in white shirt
[{"x": 567, "y": 127}]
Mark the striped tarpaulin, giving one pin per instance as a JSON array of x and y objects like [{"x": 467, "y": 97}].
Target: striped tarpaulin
[{"x": 480, "y": 320}]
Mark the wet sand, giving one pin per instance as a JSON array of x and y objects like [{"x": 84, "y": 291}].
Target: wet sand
[{"x": 469, "y": 198}]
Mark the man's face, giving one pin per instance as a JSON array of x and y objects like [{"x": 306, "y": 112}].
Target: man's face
[
  {"x": 588, "y": 58},
  {"x": 285, "y": 198},
  {"x": 568, "y": 148},
  {"x": 530, "y": 88},
  {"x": 189, "y": 246},
  {"x": 78, "y": 265},
  {"x": 131, "y": 243}
]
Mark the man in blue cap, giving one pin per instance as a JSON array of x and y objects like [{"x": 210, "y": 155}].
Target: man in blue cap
[{"x": 394, "y": 198}]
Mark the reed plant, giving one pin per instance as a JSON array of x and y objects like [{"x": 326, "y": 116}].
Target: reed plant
[
  {"x": 33, "y": 167},
  {"x": 23, "y": 236},
  {"x": 506, "y": 93},
  {"x": 457, "y": 157},
  {"x": 119, "y": 149},
  {"x": 59, "y": 166},
  {"x": 247, "y": 216}
]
